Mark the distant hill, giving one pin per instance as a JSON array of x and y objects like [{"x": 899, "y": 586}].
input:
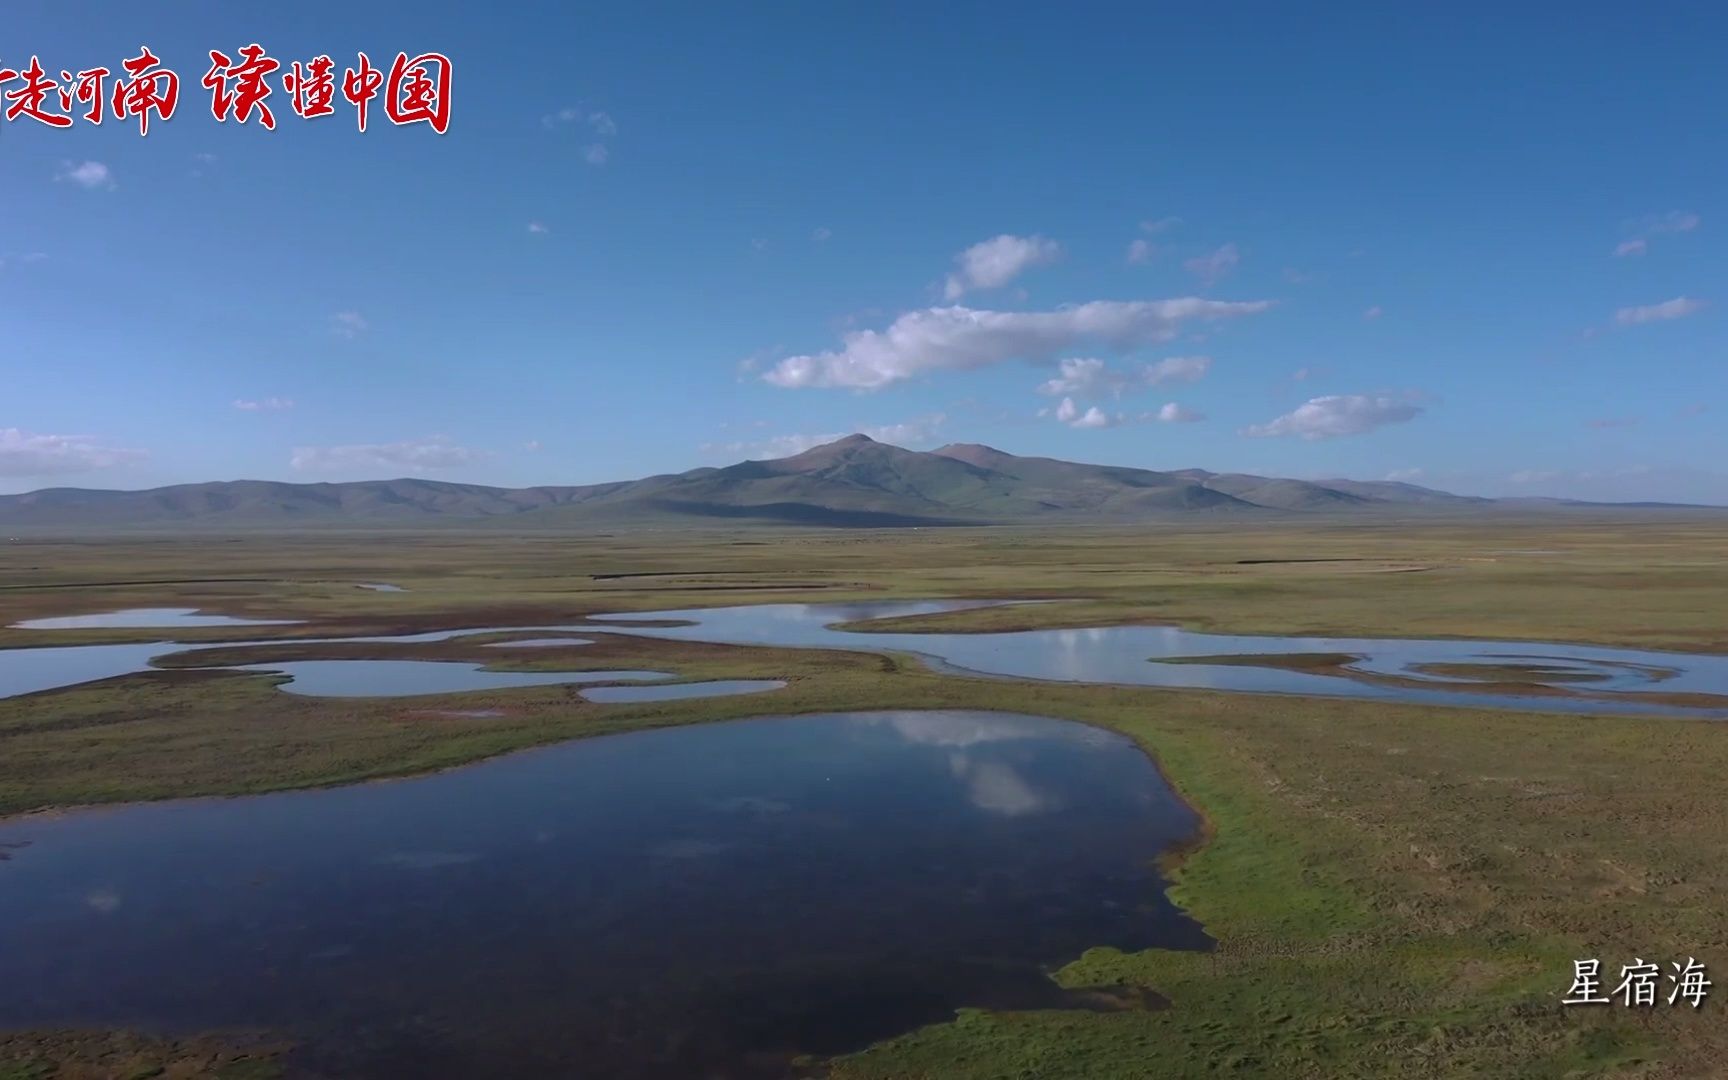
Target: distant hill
[{"x": 852, "y": 482}]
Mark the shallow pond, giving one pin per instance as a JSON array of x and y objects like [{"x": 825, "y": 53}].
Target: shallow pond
[{"x": 699, "y": 901}]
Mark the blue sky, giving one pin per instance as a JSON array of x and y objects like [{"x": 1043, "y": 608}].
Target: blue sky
[{"x": 1478, "y": 250}]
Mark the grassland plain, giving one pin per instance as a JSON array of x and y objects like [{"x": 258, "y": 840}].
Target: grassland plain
[{"x": 1395, "y": 890}]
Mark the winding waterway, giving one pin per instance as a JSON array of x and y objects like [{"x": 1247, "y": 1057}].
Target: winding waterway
[{"x": 1578, "y": 678}]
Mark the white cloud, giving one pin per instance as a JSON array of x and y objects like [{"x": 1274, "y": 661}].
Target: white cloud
[
  {"x": 1186, "y": 369},
  {"x": 1156, "y": 226},
  {"x": 822, "y": 234},
  {"x": 1088, "y": 378},
  {"x": 1093, "y": 378},
  {"x": 1373, "y": 313},
  {"x": 758, "y": 243},
  {"x": 919, "y": 431},
  {"x": 1173, "y": 413},
  {"x": 1337, "y": 415},
  {"x": 1303, "y": 374},
  {"x": 1677, "y": 308},
  {"x": 1211, "y": 268},
  {"x": 25, "y": 454},
  {"x": 349, "y": 324},
  {"x": 1405, "y": 476},
  {"x": 538, "y": 228},
  {"x": 1094, "y": 417},
  {"x": 997, "y": 261},
  {"x": 436, "y": 452},
  {"x": 533, "y": 445},
  {"x": 1140, "y": 250},
  {"x": 599, "y": 123},
  {"x": 87, "y": 174},
  {"x": 1674, "y": 221},
  {"x": 269, "y": 404},
  {"x": 1642, "y": 230},
  {"x": 964, "y": 339}
]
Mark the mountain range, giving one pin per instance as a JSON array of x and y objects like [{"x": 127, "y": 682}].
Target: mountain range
[{"x": 854, "y": 481}]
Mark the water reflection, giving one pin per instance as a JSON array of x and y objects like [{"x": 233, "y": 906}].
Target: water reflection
[{"x": 699, "y": 901}]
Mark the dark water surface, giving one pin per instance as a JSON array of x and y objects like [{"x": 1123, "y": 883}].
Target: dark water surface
[{"x": 701, "y": 901}]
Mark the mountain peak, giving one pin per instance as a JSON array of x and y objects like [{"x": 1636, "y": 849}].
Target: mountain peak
[
  {"x": 976, "y": 454},
  {"x": 829, "y": 449},
  {"x": 845, "y": 448}
]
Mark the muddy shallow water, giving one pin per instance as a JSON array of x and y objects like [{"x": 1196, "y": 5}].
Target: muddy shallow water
[{"x": 698, "y": 901}]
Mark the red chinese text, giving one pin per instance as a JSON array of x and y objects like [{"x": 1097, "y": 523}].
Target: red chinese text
[{"x": 414, "y": 90}]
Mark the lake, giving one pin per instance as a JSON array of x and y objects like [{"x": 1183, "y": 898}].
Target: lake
[{"x": 698, "y": 901}]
